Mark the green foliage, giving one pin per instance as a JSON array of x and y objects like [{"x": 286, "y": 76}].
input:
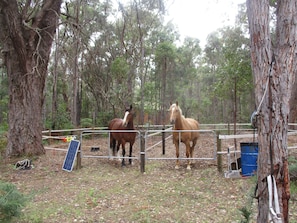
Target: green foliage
[
  {"x": 227, "y": 75},
  {"x": 120, "y": 69},
  {"x": 128, "y": 55},
  {"x": 4, "y": 98},
  {"x": 293, "y": 169},
  {"x": 104, "y": 118},
  {"x": 293, "y": 189},
  {"x": 3, "y": 144},
  {"x": 86, "y": 122},
  {"x": 11, "y": 202},
  {"x": 121, "y": 90},
  {"x": 292, "y": 160},
  {"x": 165, "y": 50},
  {"x": 246, "y": 213},
  {"x": 4, "y": 125},
  {"x": 63, "y": 120}
]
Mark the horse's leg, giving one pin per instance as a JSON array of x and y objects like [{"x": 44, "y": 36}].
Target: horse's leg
[
  {"x": 118, "y": 148},
  {"x": 176, "y": 143},
  {"x": 191, "y": 152},
  {"x": 192, "y": 147},
  {"x": 112, "y": 145},
  {"x": 123, "y": 152},
  {"x": 130, "y": 153},
  {"x": 188, "y": 154},
  {"x": 114, "y": 142}
]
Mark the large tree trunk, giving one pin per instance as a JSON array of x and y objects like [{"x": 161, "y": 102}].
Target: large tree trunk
[
  {"x": 27, "y": 40},
  {"x": 274, "y": 72}
]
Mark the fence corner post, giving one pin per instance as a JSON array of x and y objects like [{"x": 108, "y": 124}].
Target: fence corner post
[{"x": 219, "y": 155}]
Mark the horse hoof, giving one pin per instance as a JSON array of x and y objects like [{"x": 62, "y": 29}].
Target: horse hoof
[
  {"x": 188, "y": 168},
  {"x": 176, "y": 167}
]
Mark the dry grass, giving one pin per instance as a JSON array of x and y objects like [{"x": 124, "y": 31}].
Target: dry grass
[{"x": 106, "y": 192}]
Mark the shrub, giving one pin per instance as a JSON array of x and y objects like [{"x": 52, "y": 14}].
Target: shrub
[
  {"x": 11, "y": 202},
  {"x": 293, "y": 173},
  {"x": 293, "y": 168},
  {"x": 86, "y": 122}
]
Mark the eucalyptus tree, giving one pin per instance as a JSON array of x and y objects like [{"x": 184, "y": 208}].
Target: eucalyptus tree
[
  {"x": 150, "y": 91},
  {"x": 83, "y": 23},
  {"x": 274, "y": 67},
  {"x": 100, "y": 52},
  {"x": 186, "y": 83},
  {"x": 234, "y": 82},
  {"x": 86, "y": 21},
  {"x": 165, "y": 63},
  {"x": 26, "y": 37},
  {"x": 211, "y": 102},
  {"x": 121, "y": 93},
  {"x": 135, "y": 27},
  {"x": 226, "y": 74}
]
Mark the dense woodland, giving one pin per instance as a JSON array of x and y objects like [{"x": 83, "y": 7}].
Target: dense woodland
[
  {"x": 78, "y": 63},
  {"x": 107, "y": 54}
]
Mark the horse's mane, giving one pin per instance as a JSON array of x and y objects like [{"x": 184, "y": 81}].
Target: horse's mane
[{"x": 181, "y": 111}]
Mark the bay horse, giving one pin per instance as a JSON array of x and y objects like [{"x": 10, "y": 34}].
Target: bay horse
[
  {"x": 187, "y": 137},
  {"x": 121, "y": 138}
]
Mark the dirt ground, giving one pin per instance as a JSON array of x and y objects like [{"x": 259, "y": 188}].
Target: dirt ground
[{"x": 104, "y": 191}]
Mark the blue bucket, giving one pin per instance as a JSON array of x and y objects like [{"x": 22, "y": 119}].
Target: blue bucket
[{"x": 249, "y": 157}]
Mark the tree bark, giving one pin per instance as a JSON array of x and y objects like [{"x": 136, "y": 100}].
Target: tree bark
[
  {"x": 274, "y": 72},
  {"x": 27, "y": 39}
]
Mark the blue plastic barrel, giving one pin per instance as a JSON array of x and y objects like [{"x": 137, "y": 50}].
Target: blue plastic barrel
[{"x": 249, "y": 157}]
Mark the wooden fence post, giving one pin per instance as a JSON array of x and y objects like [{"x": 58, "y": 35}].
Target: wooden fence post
[{"x": 219, "y": 155}]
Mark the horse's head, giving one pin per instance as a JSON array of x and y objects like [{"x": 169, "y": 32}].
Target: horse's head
[
  {"x": 128, "y": 117},
  {"x": 175, "y": 112}
]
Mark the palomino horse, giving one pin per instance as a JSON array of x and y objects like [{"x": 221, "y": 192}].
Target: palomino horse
[
  {"x": 182, "y": 123},
  {"x": 122, "y": 137}
]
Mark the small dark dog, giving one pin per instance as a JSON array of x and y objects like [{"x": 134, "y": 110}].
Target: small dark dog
[{"x": 238, "y": 166}]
